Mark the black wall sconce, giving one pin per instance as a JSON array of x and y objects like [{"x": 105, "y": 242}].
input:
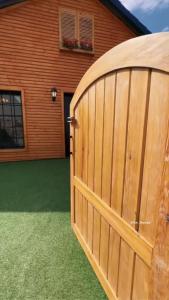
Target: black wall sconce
[{"x": 54, "y": 94}]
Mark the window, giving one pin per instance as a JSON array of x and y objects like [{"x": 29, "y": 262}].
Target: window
[
  {"x": 11, "y": 120},
  {"x": 76, "y": 31}
]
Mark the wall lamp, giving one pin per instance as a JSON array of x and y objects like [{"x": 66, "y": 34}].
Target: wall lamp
[{"x": 54, "y": 94}]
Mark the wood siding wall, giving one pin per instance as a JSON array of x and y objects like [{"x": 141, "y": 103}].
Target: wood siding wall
[{"x": 30, "y": 61}]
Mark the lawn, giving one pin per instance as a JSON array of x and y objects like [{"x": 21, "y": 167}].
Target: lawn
[{"x": 39, "y": 256}]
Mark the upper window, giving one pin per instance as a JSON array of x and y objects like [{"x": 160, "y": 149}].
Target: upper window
[
  {"x": 11, "y": 120},
  {"x": 76, "y": 31}
]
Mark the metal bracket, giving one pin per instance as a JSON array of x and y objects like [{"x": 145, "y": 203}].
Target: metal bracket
[{"x": 71, "y": 120}]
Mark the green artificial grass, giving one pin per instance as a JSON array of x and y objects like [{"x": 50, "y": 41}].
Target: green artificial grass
[{"x": 40, "y": 257}]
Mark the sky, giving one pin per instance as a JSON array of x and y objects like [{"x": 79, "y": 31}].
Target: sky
[{"x": 154, "y": 14}]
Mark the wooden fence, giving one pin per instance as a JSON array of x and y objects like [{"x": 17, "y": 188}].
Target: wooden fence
[{"x": 120, "y": 168}]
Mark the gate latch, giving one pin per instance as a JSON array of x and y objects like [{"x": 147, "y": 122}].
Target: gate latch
[{"x": 71, "y": 120}]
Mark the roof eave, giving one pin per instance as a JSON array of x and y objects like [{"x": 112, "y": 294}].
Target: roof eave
[
  {"x": 6, "y": 3},
  {"x": 126, "y": 16}
]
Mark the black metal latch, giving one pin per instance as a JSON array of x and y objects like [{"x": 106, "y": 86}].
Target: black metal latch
[{"x": 71, "y": 120}]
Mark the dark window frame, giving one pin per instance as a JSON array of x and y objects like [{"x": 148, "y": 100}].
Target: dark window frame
[{"x": 12, "y": 112}]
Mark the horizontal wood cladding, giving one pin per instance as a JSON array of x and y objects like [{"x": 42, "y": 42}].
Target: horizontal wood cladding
[{"x": 30, "y": 59}]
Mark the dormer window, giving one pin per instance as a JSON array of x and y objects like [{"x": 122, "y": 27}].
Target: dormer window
[{"x": 76, "y": 31}]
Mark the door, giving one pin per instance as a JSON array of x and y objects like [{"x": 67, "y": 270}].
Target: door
[{"x": 67, "y": 100}]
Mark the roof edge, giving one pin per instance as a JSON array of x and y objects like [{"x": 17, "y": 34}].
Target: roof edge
[
  {"x": 6, "y": 3},
  {"x": 124, "y": 14}
]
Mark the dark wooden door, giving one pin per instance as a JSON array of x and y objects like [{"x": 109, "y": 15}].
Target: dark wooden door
[{"x": 67, "y": 99}]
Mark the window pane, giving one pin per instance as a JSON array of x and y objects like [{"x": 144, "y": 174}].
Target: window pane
[
  {"x": 9, "y": 131},
  {"x": 7, "y": 109},
  {"x": 19, "y": 132},
  {"x": 7, "y": 122},
  {"x": 20, "y": 142},
  {"x": 18, "y": 121},
  {"x": 11, "y": 120},
  {"x": 86, "y": 32},
  {"x": 17, "y": 99},
  {"x": 6, "y": 141},
  {"x": 18, "y": 110},
  {"x": 5, "y": 98},
  {"x": 1, "y": 122},
  {"x": 68, "y": 29}
]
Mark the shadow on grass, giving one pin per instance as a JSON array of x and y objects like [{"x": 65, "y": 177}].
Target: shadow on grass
[{"x": 35, "y": 186}]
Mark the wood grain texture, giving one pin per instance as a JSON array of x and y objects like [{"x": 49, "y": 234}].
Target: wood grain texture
[
  {"x": 85, "y": 150},
  {"x": 118, "y": 167},
  {"x": 101, "y": 277},
  {"x": 133, "y": 170},
  {"x": 128, "y": 190},
  {"x": 154, "y": 153},
  {"x": 160, "y": 264},
  {"x": 91, "y": 159},
  {"x": 120, "y": 132},
  {"x": 99, "y": 131},
  {"x": 127, "y": 232},
  {"x": 108, "y": 135},
  {"x": 141, "y": 284},
  {"x": 104, "y": 245},
  {"x": 75, "y": 166},
  {"x": 79, "y": 161},
  {"x": 133, "y": 53},
  {"x": 113, "y": 261}
]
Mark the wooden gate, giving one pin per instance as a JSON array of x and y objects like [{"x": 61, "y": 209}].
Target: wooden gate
[{"x": 120, "y": 171}]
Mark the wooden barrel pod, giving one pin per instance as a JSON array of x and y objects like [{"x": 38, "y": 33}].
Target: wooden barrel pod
[{"x": 120, "y": 168}]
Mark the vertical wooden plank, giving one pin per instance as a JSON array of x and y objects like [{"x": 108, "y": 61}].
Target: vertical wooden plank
[
  {"x": 91, "y": 155},
  {"x": 96, "y": 234},
  {"x": 154, "y": 153},
  {"x": 76, "y": 143},
  {"x": 134, "y": 152},
  {"x": 72, "y": 170},
  {"x": 100, "y": 87},
  {"x": 104, "y": 245},
  {"x": 155, "y": 200},
  {"x": 85, "y": 148},
  {"x": 153, "y": 165},
  {"x": 80, "y": 161},
  {"x": 125, "y": 271},
  {"x": 113, "y": 262},
  {"x": 108, "y": 136},
  {"x": 119, "y": 148},
  {"x": 160, "y": 262},
  {"x": 120, "y": 128},
  {"x": 141, "y": 281},
  {"x": 107, "y": 165},
  {"x": 136, "y": 123},
  {"x": 99, "y": 136}
]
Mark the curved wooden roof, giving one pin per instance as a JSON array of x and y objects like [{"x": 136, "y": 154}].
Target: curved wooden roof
[{"x": 150, "y": 51}]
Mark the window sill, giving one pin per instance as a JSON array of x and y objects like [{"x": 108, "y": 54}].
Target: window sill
[
  {"x": 77, "y": 51},
  {"x": 13, "y": 149}
]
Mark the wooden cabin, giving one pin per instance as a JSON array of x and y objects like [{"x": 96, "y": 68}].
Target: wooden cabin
[{"x": 46, "y": 47}]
